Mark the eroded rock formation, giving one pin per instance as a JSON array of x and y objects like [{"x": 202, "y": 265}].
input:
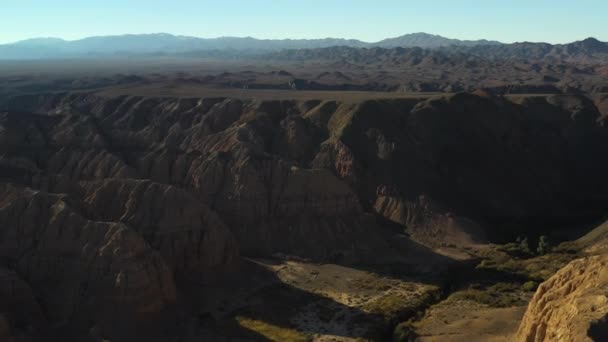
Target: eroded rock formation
[
  {"x": 80, "y": 268},
  {"x": 108, "y": 203},
  {"x": 570, "y": 306},
  {"x": 256, "y": 163}
]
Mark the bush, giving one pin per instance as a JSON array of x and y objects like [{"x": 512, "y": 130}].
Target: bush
[
  {"x": 543, "y": 245},
  {"x": 523, "y": 245},
  {"x": 404, "y": 332},
  {"x": 519, "y": 248},
  {"x": 499, "y": 295},
  {"x": 529, "y": 286}
]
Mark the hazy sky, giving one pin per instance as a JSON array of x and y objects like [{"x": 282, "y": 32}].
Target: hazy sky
[{"x": 369, "y": 20}]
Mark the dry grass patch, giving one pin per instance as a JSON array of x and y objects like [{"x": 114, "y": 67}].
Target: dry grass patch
[
  {"x": 500, "y": 295},
  {"x": 270, "y": 331},
  {"x": 395, "y": 304},
  {"x": 538, "y": 268}
]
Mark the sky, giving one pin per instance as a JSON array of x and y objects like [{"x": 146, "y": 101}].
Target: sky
[{"x": 553, "y": 21}]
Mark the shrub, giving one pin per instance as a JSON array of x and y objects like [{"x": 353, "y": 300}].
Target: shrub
[
  {"x": 499, "y": 295},
  {"x": 523, "y": 245},
  {"x": 543, "y": 245},
  {"x": 404, "y": 332},
  {"x": 519, "y": 248},
  {"x": 529, "y": 286}
]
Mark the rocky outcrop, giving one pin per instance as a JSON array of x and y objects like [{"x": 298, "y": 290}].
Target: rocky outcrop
[
  {"x": 489, "y": 159},
  {"x": 428, "y": 223},
  {"x": 493, "y": 160},
  {"x": 274, "y": 207},
  {"x": 246, "y": 160},
  {"x": 80, "y": 267},
  {"x": 570, "y": 306},
  {"x": 595, "y": 242},
  {"x": 189, "y": 236}
]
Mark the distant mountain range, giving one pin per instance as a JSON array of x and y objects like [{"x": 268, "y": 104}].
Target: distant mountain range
[
  {"x": 588, "y": 51},
  {"x": 232, "y": 47},
  {"x": 171, "y": 44},
  {"x": 425, "y": 40}
]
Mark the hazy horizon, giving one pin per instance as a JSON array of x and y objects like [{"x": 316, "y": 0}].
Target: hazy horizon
[
  {"x": 270, "y": 19},
  {"x": 291, "y": 38}
]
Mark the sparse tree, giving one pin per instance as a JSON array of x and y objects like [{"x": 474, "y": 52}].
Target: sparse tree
[
  {"x": 523, "y": 245},
  {"x": 543, "y": 245}
]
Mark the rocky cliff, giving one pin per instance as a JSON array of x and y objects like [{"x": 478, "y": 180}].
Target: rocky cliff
[
  {"x": 112, "y": 202},
  {"x": 495, "y": 160},
  {"x": 258, "y": 162},
  {"x": 79, "y": 269},
  {"x": 570, "y": 306}
]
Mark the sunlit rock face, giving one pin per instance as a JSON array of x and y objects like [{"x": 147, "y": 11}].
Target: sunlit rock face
[{"x": 570, "y": 306}]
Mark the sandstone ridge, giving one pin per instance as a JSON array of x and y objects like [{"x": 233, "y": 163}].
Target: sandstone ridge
[{"x": 570, "y": 306}]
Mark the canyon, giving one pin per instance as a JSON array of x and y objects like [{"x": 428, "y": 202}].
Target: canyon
[{"x": 339, "y": 194}]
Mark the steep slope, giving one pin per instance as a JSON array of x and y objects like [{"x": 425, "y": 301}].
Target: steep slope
[
  {"x": 189, "y": 236},
  {"x": 570, "y": 306},
  {"x": 490, "y": 159},
  {"x": 239, "y": 158},
  {"x": 81, "y": 270},
  {"x": 257, "y": 163}
]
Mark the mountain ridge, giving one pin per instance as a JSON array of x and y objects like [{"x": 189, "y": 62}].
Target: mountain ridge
[
  {"x": 422, "y": 39},
  {"x": 168, "y": 43},
  {"x": 164, "y": 44}
]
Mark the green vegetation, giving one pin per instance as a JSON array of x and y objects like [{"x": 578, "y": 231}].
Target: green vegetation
[
  {"x": 543, "y": 245},
  {"x": 519, "y": 249},
  {"x": 500, "y": 295},
  {"x": 397, "y": 305},
  {"x": 505, "y": 276},
  {"x": 514, "y": 272},
  {"x": 404, "y": 332},
  {"x": 537, "y": 268},
  {"x": 523, "y": 244},
  {"x": 529, "y": 286}
]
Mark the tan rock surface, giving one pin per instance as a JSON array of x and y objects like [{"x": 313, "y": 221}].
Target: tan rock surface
[{"x": 570, "y": 306}]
